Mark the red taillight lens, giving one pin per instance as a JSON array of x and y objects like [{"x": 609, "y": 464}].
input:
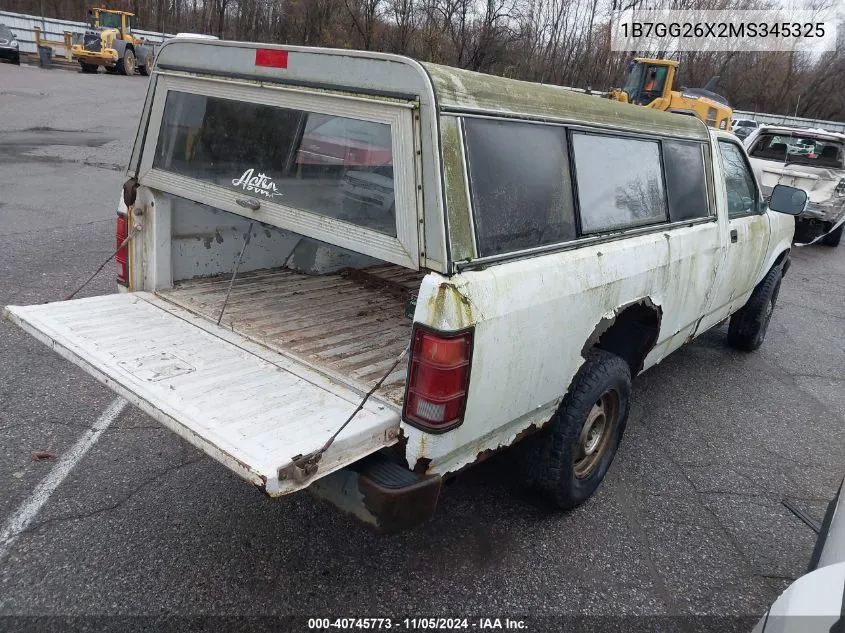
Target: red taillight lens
[
  {"x": 438, "y": 379},
  {"x": 122, "y": 257}
]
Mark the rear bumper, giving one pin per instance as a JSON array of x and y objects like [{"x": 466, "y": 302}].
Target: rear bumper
[
  {"x": 381, "y": 494},
  {"x": 823, "y": 212},
  {"x": 817, "y": 220}
]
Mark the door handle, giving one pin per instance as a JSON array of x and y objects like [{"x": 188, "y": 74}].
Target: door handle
[{"x": 733, "y": 236}]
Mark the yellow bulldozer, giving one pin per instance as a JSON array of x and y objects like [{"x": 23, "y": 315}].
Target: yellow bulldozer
[
  {"x": 650, "y": 83},
  {"x": 109, "y": 42}
]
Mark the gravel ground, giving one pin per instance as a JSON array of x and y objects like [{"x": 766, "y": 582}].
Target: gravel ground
[{"x": 688, "y": 522}]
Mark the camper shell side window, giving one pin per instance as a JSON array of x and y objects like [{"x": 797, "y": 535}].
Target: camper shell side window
[{"x": 535, "y": 185}]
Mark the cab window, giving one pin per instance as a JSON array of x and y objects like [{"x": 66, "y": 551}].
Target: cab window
[
  {"x": 686, "y": 180},
  {"x": 739, "y": 181},
  {"x": 109, "y": 21},
  {"x": 653, "y": 82}
]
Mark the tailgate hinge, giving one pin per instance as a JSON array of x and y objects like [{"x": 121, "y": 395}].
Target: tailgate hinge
[{"x": 302, "y": 467}]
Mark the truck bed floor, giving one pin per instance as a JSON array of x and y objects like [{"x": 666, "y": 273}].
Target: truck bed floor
[{"x": 349, "y": 324}]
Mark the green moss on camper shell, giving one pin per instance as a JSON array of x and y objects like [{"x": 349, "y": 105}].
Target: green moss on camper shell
[
  {"x": 457, "y": 206},
  {"x": 458, "y": 88}
]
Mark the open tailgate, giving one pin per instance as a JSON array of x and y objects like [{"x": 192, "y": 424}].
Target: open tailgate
[{"x": 249, "y": 407}]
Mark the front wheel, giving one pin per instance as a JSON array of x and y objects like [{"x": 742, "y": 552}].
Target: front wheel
[
  {"x": 569, "y": 459},
  {"x": 145, "y": 68},
  {"x": 126, "y": 66},
  {"x": 88, "y": 68},
  {"x": 749, "y": 324}
]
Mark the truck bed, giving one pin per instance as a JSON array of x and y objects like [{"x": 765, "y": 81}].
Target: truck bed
[{"x": 351, "y": 325}]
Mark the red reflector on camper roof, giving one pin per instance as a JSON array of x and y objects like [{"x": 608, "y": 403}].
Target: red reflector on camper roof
[{"x": 272, "y": 58}]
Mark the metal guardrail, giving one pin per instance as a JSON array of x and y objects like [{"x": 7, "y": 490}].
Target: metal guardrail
[
  {"x": 792, "y": 121},
  {"x": 23, "y": 26}
]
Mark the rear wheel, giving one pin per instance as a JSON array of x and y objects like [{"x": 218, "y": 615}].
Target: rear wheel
[
  {"x": 126, "y": 66},
  {"x": 833, "y": 238},
  {"x": 88, "y": 68},
  {"x": 568, "y": 459},
  {"x": 748, "y": 326},
  {"x": 146, "y": 67}
]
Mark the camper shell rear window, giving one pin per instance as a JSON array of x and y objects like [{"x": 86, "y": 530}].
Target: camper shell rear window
[
  {"x": 330, "y": 165},
  {"x": 339, "y": 169}
]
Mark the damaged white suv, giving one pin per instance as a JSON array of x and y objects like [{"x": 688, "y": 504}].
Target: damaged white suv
[{"x": 809, "y": 159}]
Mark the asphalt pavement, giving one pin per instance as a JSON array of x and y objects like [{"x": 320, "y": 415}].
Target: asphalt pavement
[{"x": 688, "y": 521}]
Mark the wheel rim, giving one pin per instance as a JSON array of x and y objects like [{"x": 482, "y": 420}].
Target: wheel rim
[{"x": 596, "y": 434}]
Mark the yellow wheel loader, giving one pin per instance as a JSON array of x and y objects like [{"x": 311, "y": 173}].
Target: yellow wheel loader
[
  {"x": 650, "y": 83},
  {"x": 109, "y": 42}
]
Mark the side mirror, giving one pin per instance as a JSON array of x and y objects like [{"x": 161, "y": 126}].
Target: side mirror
[{"x": 788, "y": 200}]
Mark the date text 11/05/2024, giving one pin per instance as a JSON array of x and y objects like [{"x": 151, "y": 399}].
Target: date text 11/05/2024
[{"x": 417, "y": 624}]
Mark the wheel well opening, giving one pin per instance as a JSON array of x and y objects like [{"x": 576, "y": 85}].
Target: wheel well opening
[
  {"x": 783, "y": 261},
  {"x": 630, "y": 334}
]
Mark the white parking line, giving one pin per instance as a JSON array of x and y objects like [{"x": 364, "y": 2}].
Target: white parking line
[{"x": 30, "y": 508}]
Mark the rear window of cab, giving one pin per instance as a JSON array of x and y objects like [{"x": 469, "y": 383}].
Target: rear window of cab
[{"x": 801, "y": 149}]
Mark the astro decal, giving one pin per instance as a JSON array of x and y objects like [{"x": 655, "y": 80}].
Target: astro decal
[{"x": 261, "y": 184}]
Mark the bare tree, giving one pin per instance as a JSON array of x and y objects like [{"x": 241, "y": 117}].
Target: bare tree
[{"x": 552, "y": 41}]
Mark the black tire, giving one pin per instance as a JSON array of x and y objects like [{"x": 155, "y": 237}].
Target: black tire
[
  {"x": 88, "y": 68},
  {"x": 126, "y": 65},
  {"x": 748, "y": 326},
  {"x": 553, "y": 460},
  {"x": 144, "y": 69},
  {"x": 833, "y": 238}
]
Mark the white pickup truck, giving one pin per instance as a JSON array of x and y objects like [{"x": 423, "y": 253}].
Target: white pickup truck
[{"x": 490, "y": 261}]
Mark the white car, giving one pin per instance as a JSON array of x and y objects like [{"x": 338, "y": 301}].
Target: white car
[{"x": 810, "y": 159}]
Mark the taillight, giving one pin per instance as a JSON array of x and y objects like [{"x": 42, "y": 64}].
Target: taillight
[
  {"x": 122, "y": 257},
  {"x": 438, "y": 379}
]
